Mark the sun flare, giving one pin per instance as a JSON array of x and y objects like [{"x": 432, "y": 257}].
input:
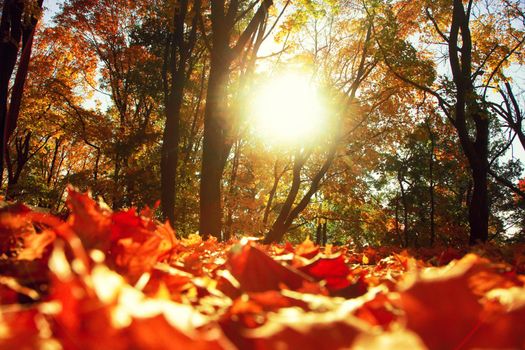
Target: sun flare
[{"x": 288, "y": 110}]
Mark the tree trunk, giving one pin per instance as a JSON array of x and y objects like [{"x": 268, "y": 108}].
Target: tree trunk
[
  {"x": 468, "y": 109},
  {"x": 398, "y": 231},
  {"x": 11, "y": 33},
  {"x": 319, "y": 232},
  {"x": 170, "y": 157},
  {"x": 325, "y": 232},
  {"x": 479, "y": 208},
  {"x": 405, "y": 209},
  {"x": 13, "y": 173},
  {"x": 228, "y": 227},
  {"x": 217, "y": 125},
  {"x": 279, "y": 227},
  {"x": 58, "y": 141},
  {"x": 20, "y": 79},
  {"x": 117, "y": 195},
  {"x": 431, "y": 185},
  {"x": 213, "y": 157},
  {"x": 271, "y": 195},
  {"x": 176, "y": 61}
]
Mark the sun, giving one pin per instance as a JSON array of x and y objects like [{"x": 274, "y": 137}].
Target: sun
[{"x": 288, "y": 110}]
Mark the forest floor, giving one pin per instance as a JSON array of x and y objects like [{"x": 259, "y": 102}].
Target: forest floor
[{"x": 121, "y": 280}]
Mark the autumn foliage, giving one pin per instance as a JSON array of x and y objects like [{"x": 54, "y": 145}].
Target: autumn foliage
[{"x": 121, "y": 280}]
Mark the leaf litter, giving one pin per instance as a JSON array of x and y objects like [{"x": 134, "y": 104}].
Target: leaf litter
[{"x": 122, "y": 280}]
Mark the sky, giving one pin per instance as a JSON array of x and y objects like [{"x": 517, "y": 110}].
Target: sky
[{"x": 50, "y": 8}]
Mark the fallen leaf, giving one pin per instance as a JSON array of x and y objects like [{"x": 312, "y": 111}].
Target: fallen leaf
[{"x": 258, "y": 272}]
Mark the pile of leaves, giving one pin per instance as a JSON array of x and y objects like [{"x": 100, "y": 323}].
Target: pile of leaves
[{"x": 121, "y": 280}]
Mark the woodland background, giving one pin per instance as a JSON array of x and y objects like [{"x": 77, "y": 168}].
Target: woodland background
[{"x": 145, "y": 100}]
